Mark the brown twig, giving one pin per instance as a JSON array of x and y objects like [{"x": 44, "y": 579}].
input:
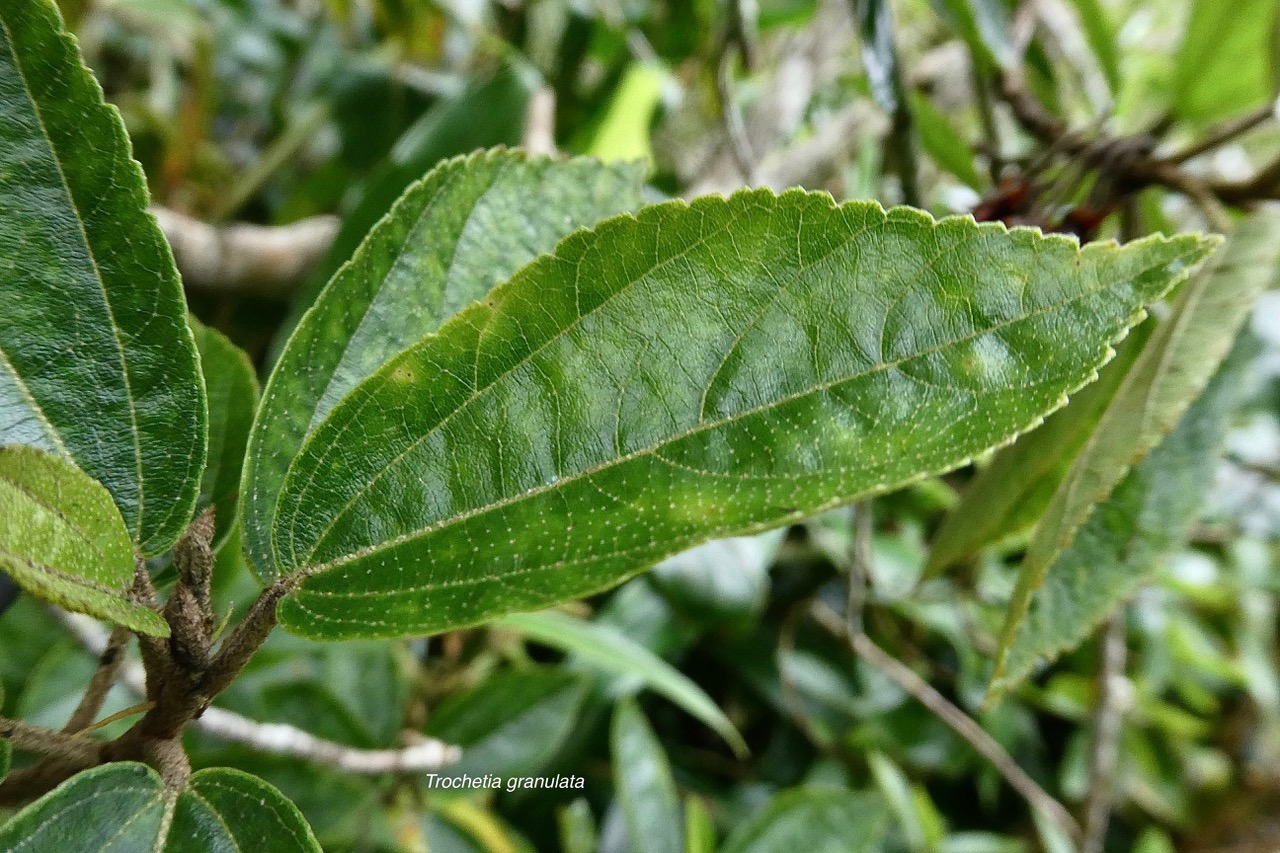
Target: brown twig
[
  {"x": 1104, "y": 744},
  {"x": 109, "y": 662},
  {"x": 1218, "y": 136},
  {"x": 955, "y": 719},
  {"x": 56, "y": 744}
]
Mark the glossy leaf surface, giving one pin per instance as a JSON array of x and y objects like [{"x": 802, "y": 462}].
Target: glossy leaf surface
[
  {"x": 472, "y": 222},
  {"x": 125, "y": 807},
  {"x": 1174, "y": 367},
  {"x": 96, "y": 361},
  {"x": 63, "y": 541},
  {"x": 695, "y": 372}
]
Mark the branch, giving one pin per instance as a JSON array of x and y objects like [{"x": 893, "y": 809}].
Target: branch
[
  {"x": 1107, "y": 717},
  {"x": 60, "y": 745},
  {"x": 956, "y": 719},
  {"x": 109, "y": 661},
  {"x": 539, "y": 133},
  {"x": 246, "y": 260},
  {"x": 1222, "y": 134},
  {"x": 277, "y": 738},
  {"x": 422, "y": 754}
]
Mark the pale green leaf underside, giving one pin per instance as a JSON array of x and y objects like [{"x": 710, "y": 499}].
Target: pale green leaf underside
[
  {"x": 63, "y": 540},
  {"x": 96, "y": 361},
  {"x": 609, "y": 649},
  {"x": 1172, "y": 370},
  {"x": 126, "y": 808},
  {"x": 469, "y": 224},
  {"x": 1126, "y": 536},
  {"x": 697, "y": 371}
]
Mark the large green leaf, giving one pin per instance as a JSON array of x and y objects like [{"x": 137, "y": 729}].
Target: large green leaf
[
  {"x": 643, "y": 783},
  {"x": 232, "y": 389},
  {"x": 63, "y": 540},
  {"x": 1010, "y": 494},
  {"x": 1174, "y": 367},
  {"x": 126, "y": 807},
  {"x": 1121, "y": 544},
  {"x": 469, "y": 224},
  {"x": 813, "y": 820},
  {"x": 605, "y": 647},
  {"x": 96, "y": 360},
  {"x": 1228, "y": 59},
  {"x": 696, "y": 371}
]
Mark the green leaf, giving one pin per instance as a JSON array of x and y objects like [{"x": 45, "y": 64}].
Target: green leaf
[
  {"x": 1100, "y": 33},
  {"x": 813, "y": 820},
  {"x": 126, "y": 807},
  {"x": 96, "y": 361},
  {"x": 643, "y": 784},
  {"x": 513, "y": 723},
  {"x": 1227, "y": 62},
  {"x": 1013, "y": 491},
  {"x": 1174, "y": 367},
  {"x": 232, "y": 390},
  {"x": 470, "y": 223},
  {"x": 943, "y": 143},
  {"x": 612, "y": 651},
  {"x": 695, "y": 372},
  {"x": 1143, "y": 521},
  {"x": 62, "y": 539},
  {"x": 721, "y": 582},
  {"x": 699, "y": 829}
]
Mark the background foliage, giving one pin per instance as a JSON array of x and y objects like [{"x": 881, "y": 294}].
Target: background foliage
[{"x": 706, "y": 704}]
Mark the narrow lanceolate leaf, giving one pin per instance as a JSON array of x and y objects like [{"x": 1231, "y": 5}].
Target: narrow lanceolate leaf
[
  {"x": 126, "y": 807},
  {"x": 1013, "y": 491},
  {"x": 1174, "y": 367},
  {"x": 62, "y": 539},
  {"x": 697, "y": 371},
  {"x": 466, "y": 226},
  {"x": 643, "y": 784},
  {"x": 96, "y": 361},
  {"x": 609, "y": 649},
  {"x": 1121, "y": 544},
  {"x": 232, "y": 390}
]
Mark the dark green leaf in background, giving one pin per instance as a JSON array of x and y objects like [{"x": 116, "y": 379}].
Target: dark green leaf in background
[
  {"x": 231, "y": 386},
  {"x": 96, "y": 360},
  {"x": 643, "y": 784},
  {"x": 813, "y": 820},
  {"x": 551, "y": 440}
]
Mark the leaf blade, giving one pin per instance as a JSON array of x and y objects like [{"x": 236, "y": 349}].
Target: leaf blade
[
  {"x": 83, "y": 256},
  {"x": 469, "y": 223},
  {"x": 643, "y": 783},
  {"x": 581, "y": 397},
  {"x": 62, "y": 539}
]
